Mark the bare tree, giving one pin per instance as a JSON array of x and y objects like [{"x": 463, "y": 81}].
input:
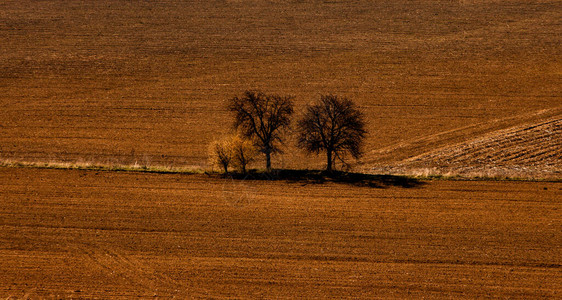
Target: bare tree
[
  {"x": 261, "y": 118},
  {"x": 233, "y": 150},
  {"x": 220, "y": 154},
  {"x": 243, "y": 152},
  {"x": 333, "y": 125}
]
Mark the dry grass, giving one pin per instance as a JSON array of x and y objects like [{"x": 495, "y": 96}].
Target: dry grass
[
  {"x": 527, "y": 151},
  {"x": 100, "y": 167}
]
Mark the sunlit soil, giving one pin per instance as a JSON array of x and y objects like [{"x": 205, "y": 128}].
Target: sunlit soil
[{"x": 71, "y": 233}]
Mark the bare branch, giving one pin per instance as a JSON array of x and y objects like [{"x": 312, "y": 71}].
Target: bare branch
[
  {"x": 261, "y": 118},
  {"x": 332, "y": 125}
]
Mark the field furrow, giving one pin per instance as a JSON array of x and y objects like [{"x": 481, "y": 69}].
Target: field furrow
[{"x": 88, "y": 234}]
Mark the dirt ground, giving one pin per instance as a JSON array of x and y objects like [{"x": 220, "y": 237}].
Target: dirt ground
[
  {"x": 531, "y": 150},
  {"x": 90, "y": 234},
  {"x": 119, "y": 81},
  {"x": 146, "y": 83}
]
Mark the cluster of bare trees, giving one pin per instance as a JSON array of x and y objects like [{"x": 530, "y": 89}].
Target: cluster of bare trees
[{"x": 332, "y": 125}]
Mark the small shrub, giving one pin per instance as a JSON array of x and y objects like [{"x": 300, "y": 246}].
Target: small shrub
[
  {"x": 220, "y": 154},
  {"x": 234, "y": 150},
  {"x": 244, "y": 152}
]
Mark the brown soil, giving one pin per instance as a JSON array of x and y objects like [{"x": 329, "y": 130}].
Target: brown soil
[
  {"x": 146, "y": 82},
  {"x": 115, "y": 81},
  {"x": 95, "y": 234},
  {"x": 530, "y": 150}
]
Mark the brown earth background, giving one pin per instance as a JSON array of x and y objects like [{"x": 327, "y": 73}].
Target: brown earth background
[
  {"x": 88, "y": 234},
  {"x": 447, "y": 87},
  {"x": 118, "y": 82}
]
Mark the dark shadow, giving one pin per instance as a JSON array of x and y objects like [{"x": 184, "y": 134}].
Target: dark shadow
[{"x": 319, "y": 177}]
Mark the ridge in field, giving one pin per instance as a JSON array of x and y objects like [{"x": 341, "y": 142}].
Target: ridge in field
[{"x": 303, "y": 177}]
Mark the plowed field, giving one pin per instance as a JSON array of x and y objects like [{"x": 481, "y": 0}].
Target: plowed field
[
  {"x": 119, "y": 81},
  {"x": 90, "y": 234},
  {"x": 530, "y": 150},
  {"x": 461, "y": 84}
]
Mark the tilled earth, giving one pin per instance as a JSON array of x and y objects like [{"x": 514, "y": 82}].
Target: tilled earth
[
  {"x": 91, "y": 234},
  {"x": 125, "y": 82},
  {"x": 532, "y": 150}
]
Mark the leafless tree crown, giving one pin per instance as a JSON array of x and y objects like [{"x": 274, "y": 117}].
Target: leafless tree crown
[
  {"x": 333, "y": 125},
  {"x": 261, "y": 118}
]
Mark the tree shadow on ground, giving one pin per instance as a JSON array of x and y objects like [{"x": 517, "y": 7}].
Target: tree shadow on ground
[{"x": 320, "y": 177}]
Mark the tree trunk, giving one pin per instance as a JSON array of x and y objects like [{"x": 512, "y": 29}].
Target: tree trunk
[
  {"x": 268, "y": 160},
  {"x": 242, "y": 160},
  {"x": 329, "y": 164}
]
